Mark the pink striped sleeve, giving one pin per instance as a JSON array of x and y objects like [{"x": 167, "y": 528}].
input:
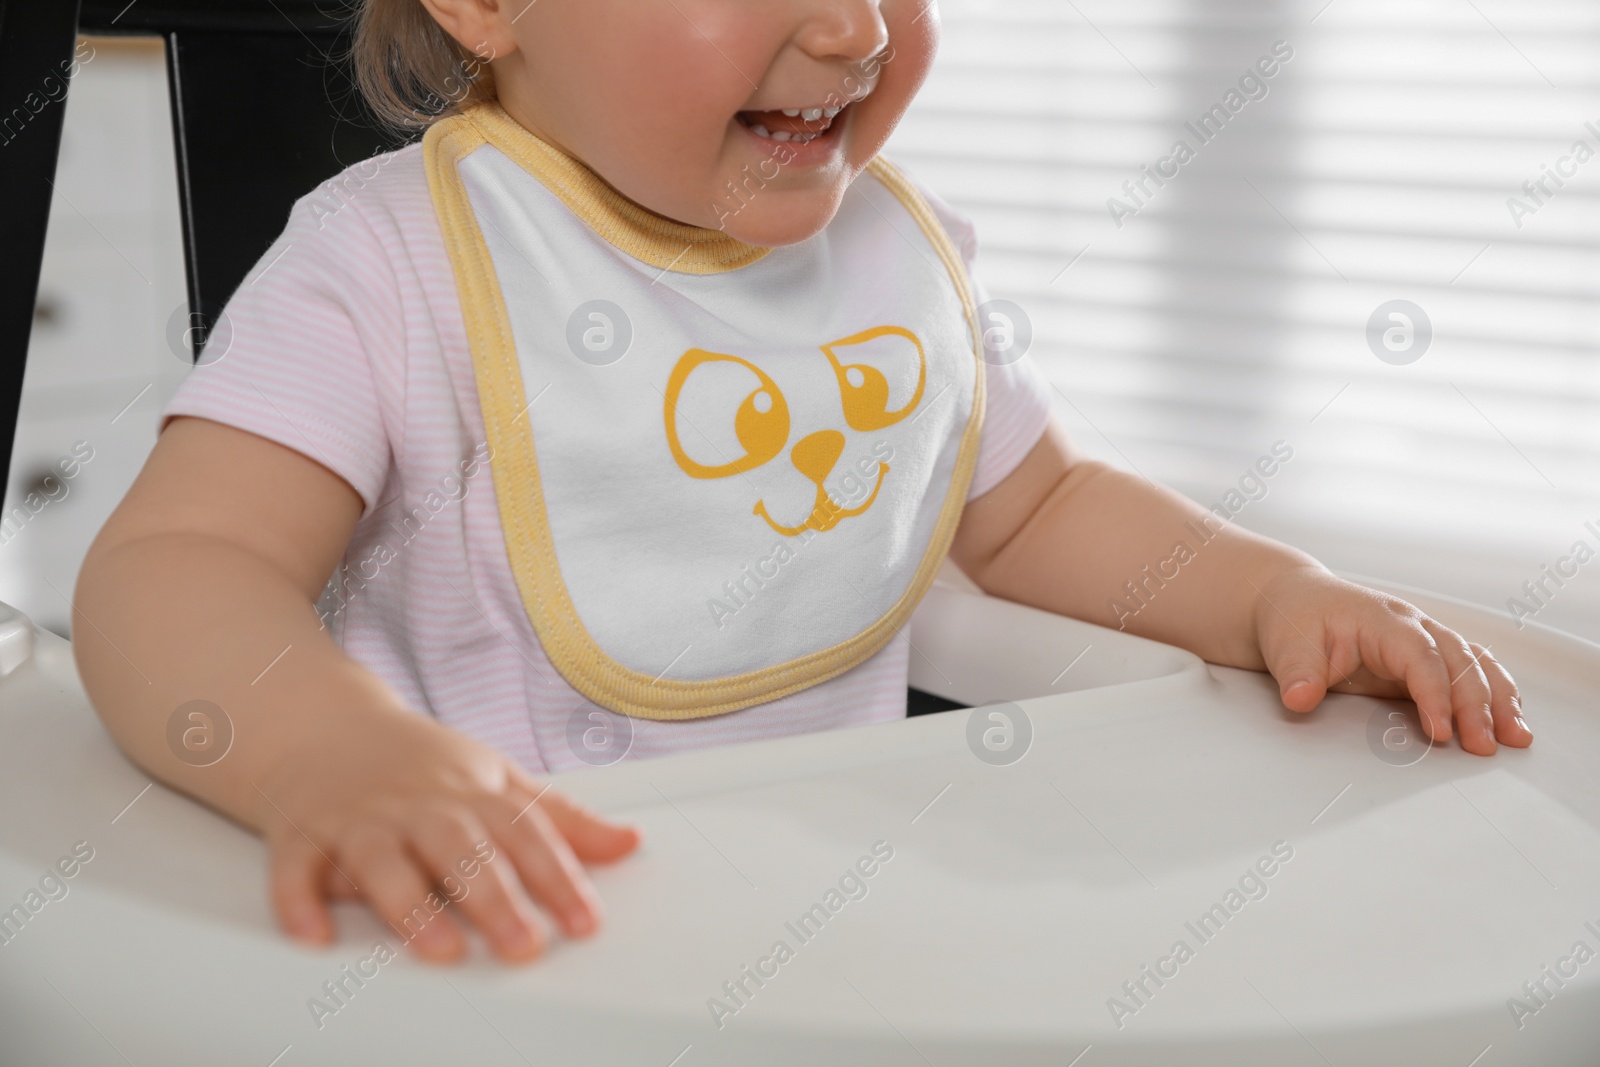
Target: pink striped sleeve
[
  {"x": 297, "y": 347},
  {"x": 1018, "y": 398}
]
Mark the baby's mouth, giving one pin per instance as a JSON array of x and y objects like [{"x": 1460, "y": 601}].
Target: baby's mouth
[{"x": 798, "y": 124}]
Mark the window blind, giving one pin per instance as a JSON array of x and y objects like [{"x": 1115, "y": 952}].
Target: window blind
[{"x": 1194, "y": 306}]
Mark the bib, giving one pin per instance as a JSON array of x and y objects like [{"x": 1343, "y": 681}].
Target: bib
[{"x": 724, "y": 472}]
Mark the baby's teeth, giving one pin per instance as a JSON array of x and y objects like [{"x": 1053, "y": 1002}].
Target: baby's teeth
[
  {"x": 779, "y": 135},
  {"x": 792, "y": 112},
  {"x": 812, "y": 114},
  {"x": 831, "y": 111},
  {"x": 762, "y": 130}
]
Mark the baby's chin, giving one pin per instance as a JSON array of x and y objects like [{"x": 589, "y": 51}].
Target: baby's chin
[{"x": 774, "y": 218}]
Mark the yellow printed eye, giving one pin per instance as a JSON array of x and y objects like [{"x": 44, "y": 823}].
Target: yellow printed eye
[
  {"x": 864, "y": 388},
  {"x": 697, "y": 413},
  {"x": 762, "y": 424}
]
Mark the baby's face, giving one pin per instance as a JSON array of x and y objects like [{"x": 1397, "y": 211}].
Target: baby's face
[{"x": 749, "y": 116}]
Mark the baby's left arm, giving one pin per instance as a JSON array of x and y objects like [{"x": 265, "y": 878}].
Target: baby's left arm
[{"x": 1077, "y": 537}]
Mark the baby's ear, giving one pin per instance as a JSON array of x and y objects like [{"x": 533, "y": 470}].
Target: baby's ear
[{"x": 483, "y": 27}]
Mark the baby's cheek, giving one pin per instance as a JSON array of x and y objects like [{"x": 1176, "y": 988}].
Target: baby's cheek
[
  {"x": 913, "y": 42},
  {"x": 640, "y": 91},
  {"x": 660, "y": 130},
  {"x": 900, "y": 70},
  {"x": 681, "y": 70}
]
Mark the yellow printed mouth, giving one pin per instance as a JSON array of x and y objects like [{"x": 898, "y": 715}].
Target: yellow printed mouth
[{"x": 826, "y": 514}]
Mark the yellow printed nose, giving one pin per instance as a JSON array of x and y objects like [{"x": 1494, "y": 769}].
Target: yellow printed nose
[
  {"x": 816, "y": 454},
  {"x": 814, "y": 457}
]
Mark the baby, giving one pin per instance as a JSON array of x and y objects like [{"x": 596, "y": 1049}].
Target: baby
[{"x": 640, "y": 391}]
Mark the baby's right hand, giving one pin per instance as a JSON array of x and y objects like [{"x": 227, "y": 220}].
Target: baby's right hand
[{"x": 389, "y": 808}]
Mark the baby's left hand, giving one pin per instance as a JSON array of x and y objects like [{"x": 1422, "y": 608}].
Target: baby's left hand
[{"x": 1317, "y": 633}]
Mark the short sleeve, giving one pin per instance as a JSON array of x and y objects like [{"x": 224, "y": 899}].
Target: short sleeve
[
  {"x": 1017, "y": 406},
  {"x": 292, "y": 356}
]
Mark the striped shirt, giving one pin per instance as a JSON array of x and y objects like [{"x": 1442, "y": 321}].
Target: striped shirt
[{"x": 346, "y": 343}]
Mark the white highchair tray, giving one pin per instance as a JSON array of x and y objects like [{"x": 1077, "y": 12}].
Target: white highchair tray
[{"x": 1408, "y": 902}]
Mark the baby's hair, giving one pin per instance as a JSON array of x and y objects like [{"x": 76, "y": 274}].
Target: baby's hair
[{"x": 409, "y": 70}]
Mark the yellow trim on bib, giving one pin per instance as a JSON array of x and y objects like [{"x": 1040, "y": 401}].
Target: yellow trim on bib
[
  {"x": 515, "y": 471},
  {"x": 642, "y": 234}
]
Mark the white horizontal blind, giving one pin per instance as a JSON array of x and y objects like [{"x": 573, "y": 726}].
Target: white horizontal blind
[{"x": 1230, "y": 311}]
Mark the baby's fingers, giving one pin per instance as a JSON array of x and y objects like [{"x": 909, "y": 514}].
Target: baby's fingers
[
  {"x": 399, "y": 892},
  {"x": 1469, "y": 689},
  {"x": 335, "y": 886},
  {"x": 592, "y": 837},
  {"x": 1299, "y": 665},
  {"x": 1504, "y": 702},
  {"x": 296, "y": 879},
  {"x": 492, "y": 900},
  {"x": 545, "y": 862},
  {"x": 1408, "y": 654},
  {"x": 1301, "y": 682}
]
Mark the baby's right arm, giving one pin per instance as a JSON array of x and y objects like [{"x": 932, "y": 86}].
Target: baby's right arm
[{"x": 203, "y": 585}]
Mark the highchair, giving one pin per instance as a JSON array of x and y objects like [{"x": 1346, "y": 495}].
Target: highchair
[{"x": 1104, "y": 851}]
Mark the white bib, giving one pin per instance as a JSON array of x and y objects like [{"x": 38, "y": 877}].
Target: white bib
[{"x": 724, "y": 473}]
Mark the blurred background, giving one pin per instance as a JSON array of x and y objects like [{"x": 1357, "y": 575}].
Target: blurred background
[{"x": 1418, "y": 152}]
